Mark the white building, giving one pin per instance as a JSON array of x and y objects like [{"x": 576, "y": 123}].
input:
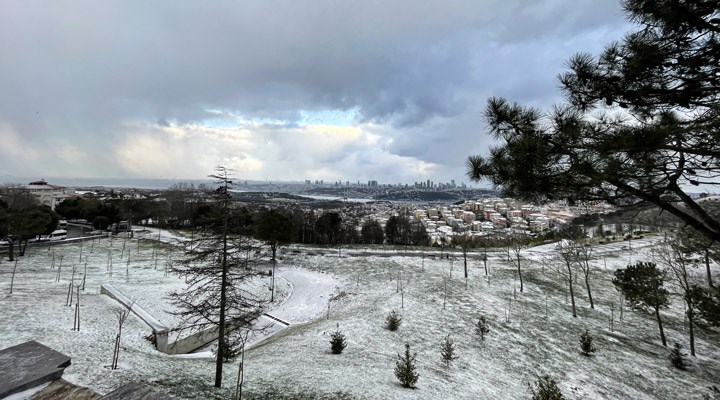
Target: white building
[{"x": 47, "y": 194}]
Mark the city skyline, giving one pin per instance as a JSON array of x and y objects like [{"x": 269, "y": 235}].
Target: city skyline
[{"x": 392, "y": 92}]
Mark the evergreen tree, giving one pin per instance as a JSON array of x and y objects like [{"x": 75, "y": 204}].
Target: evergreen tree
[
  {"x": 546, "y": 389},
  {"x": 640, "y": 126},
  {"x": 275, "y": 229},
  {"x": 372, "y": 232},
  {"x": 392, "y": 321},
  {"x": 215, "y": 269},
  {"x": 398, "y": 230},
  {"x": 642, "y": 286},
  {"x": 707, "y": 301},
  {"x": 677, "y": 358},
  {"x": 481, "y": 328},
  {"x": 328, "y": 228},
  {"x": 447, "y": 351},
  {"x": 586, "y": 343},
  {"x": 405, "y": 368},
  {"x": 337, "y": 341}
]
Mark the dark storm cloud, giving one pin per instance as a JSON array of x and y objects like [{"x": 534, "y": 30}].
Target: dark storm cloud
[{"x": 73, "y": 72}]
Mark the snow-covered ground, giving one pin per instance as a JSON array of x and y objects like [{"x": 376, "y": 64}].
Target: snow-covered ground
[{"x": 316, "y": 294}]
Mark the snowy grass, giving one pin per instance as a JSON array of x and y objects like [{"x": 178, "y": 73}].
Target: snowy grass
[{"x": 297, "y": 362}]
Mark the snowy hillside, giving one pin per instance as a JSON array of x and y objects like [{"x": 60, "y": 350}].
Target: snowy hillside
[{"x": 630, "y": 362}]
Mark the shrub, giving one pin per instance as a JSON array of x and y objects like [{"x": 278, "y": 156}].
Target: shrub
[
  {"x": 337, "y": 341},
  {"x": 482, "y": 327},
  {"x": 677, "y": 358},
  {"x": 392, "y": 321},
  {"x": 546, "y": 389},
  {"x": 586, "y": 343}
]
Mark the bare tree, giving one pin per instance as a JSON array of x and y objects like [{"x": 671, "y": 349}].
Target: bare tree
[
  {"x": 567, "y": 251},
  {"x": 514, "y": 246},
  {"x": 466, "y": 242},
  {"x": 485, "y": 242},
  {"x": 670, "y": 255},
  {"x": 584, "y": 254},
  {"x": 121, "y": 314},
  {"x": 695, "y": 242}
]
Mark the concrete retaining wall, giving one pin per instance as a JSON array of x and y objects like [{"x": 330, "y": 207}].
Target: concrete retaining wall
[{"x": 161, "y": 332}]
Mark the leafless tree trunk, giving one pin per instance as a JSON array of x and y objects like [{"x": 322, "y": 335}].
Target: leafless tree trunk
[
  {"x": 584, "y": 254},
  {"x": 241, "y": 367}
]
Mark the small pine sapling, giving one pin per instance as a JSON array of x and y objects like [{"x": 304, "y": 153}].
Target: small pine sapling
[
  {"x": 546, "y": 389},
  {"x": 586, "y": 343},
  {"x": 447, "y": 351},
  {"x": 482, "y": 327},
  {"x": 405, "y": 368},
  {"x": 392, "y": 321},
  {"x": 229, "y": 351},
  {"x": 677, "y": 358},
  {"x": 337, "y": 341}
]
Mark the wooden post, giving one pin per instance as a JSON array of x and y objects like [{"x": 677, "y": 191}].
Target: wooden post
[
  {"x": 12, "y": 280},
  {"x": 508, "y": 309},
  {"x": 445, "y": 296},
  {"x": 84, "y": 275},
  {"x": 76, "y": 321},
  {"x": 68, "y": 300},
  {"x": 241, "y": 373},
  {"x": 57, "y": 279}
]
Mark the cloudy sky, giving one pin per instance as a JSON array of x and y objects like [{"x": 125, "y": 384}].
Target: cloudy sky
[{"x": 391, "y": 90}]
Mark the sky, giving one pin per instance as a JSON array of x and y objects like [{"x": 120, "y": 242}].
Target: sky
[{"x": 278, "y": 90}]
